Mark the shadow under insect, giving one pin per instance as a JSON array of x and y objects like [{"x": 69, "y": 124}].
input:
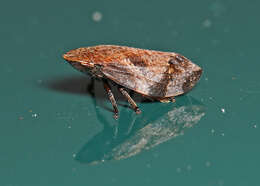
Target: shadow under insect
[
  {"x": 136, "y": 133},
  {"x": 84, "y": 85},
  {"x": 74, "y": 84}
]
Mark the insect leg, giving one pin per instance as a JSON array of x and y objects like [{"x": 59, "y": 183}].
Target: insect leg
[
  {"x": 167, "y": 100},
  {"x": 111, "y": 97},
  {"x": 130, "y": 100}
]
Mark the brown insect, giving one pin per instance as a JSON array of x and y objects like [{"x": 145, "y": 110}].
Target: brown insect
[{"x": 154, "y": 74}]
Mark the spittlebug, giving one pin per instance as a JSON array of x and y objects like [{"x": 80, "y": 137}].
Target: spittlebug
[{"x": 154, "y": 74}]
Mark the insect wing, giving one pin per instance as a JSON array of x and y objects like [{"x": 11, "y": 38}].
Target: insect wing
[{"x": 150, "y": 80}]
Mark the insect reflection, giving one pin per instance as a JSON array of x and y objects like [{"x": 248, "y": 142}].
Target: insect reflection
[{"x": 136, "y": 133}]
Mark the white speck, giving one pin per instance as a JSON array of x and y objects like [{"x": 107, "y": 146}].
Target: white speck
[
  {"x": 207, "y": 23},
  {"x": 212, "y": 131},
  {"x": 222, "y": 134},
  {"x": 69, "y": 127},
  {"x": 174, "y": 33},
  {"x": 223, "y": 110},
  {"x": 178, "y": 170},
  {"x": 8, "y": 69},
  {"x": 156, "y": 155},
  {"x": 189, "y": 168},
  {"x": 21, "y": 118},
  {"x": 103, "y": 160},
  {"x": 255, "y": 126},
  {"x": 226, "y": 30},
  {"x": 148, "y": 165},
  {"x": 39, "y": 81},
  {"x": 208, "y": 164},
  {"x": 74, "y": 155},
  {"x": 215, "y": 42},
  {"x": 206, "y": 79},
  {"x": 217, "y": 8},
  {"x": 113, "y": 180},
  {"x": 198, "y": 49},
  {"x": 97, "y": 16},
  {"x": 34, "y": 115},
  {"x": 220, "y": 182}
]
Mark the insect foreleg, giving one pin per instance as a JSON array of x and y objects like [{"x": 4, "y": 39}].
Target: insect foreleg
[
  {"x": 111, "y": 97},
  {"x": 130, "y": 100}
]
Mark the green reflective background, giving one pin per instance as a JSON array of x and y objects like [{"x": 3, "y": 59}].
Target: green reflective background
[{"x": 55, "y": 129}]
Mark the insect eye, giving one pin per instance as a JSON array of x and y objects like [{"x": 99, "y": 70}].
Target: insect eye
[
  {"x": 172, "y": 61},
  {"x": 179, "y": 58}
]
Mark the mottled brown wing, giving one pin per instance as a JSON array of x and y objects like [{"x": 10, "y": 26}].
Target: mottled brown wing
[{"x": 152, "y": 80}]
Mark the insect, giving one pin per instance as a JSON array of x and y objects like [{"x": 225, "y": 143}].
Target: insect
[{"x": 154, "y": 74}]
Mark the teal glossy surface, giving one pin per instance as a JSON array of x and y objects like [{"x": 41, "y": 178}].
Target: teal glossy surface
[{"x": 55, "y": 130}]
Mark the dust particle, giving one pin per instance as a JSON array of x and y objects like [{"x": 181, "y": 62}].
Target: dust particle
[
  {"x": 148, "y": 165},
  {"x": 189, "y": 168},
  {"x": 217, "y": 8},
  {"x": 223, "y": 110},
  {"x": 97, "y": 16},
  {"x": 207, "y": 23},
  {"x": 113, "y": 180},
  {"x": 39, "y": 81},
  {"x": 208, "y": 164},
  {"x": 220, "y": 182},
  {"x": 21, "y": 118},
  {"x": 34, "y": 115},
  {"x": 156, "y": 155}
]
